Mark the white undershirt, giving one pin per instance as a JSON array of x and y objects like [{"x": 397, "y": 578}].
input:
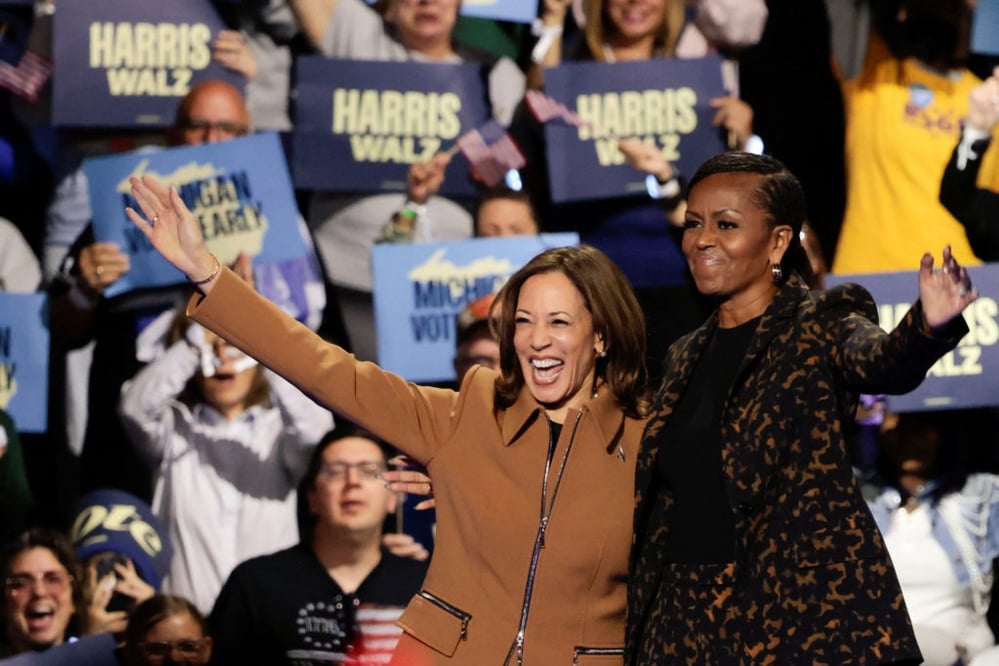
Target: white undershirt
[{"x": 935, "y": 599}]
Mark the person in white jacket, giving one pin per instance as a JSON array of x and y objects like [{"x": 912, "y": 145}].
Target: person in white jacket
[{"x": 227, "y": 442}]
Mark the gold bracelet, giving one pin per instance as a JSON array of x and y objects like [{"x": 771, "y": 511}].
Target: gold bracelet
[{"x": 212, "y": 275}]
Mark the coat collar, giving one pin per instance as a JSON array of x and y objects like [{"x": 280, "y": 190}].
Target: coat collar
[{"x": 607, "y": 415}]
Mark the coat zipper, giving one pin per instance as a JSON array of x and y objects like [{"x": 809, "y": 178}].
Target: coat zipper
[
  {"x": 539, "y": 541},
  {"x": 599, "y": 652},
  {"x": 451, "y": 610}
]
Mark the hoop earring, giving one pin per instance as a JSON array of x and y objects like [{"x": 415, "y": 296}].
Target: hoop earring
[{"x": 777, "y": 272}]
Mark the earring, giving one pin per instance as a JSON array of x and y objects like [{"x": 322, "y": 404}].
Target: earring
[
  {"x": 602, "y": 354},
  {"x": 777, "y": 272}
]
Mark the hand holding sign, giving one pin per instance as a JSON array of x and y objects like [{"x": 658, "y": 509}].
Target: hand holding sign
[
  {"x": 102, "y": 264},
  {"x": 172, "y": 230},
  {"x": 231, "y": 50},
  {"x": 646, "y": 157},
  {"x": 736, "y": 117}
]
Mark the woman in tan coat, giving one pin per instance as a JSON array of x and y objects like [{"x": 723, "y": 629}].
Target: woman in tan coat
[{"x": 533, "y": 468}]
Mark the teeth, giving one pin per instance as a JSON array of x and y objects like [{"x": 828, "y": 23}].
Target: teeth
[{"x": 543, "y": 364}]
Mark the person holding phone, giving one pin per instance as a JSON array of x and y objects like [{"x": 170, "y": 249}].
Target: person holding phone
[{"x": 338, "y": 592}]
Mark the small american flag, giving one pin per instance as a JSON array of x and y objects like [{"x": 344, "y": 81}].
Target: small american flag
[
  {"x": 546, "y": 109},
  {"x": 27, "y": 78},
  {"x": 491, "y": 151}
]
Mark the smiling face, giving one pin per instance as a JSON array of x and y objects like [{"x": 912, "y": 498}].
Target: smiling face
[
  {"x": 39, "y": 600},
  {"x": 634, "y": 21},
  {"x": 347, "y": 495},
  {"x": 731, "y": 246},
  {"x": 555, "y": 343},
  {"x": 425, "y": 25}
]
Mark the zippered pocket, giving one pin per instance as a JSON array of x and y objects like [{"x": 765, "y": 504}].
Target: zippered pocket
[
  {"x": 436, "y": 623},
  {"x": 581, "y": 656},
  {"x": 453, "y": 610}
]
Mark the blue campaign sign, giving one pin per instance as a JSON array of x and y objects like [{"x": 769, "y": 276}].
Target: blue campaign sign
[
  {"x": 127, "y": 64},
  {"x": 516, "y": 11},
  {"x": 24, "y": 359},
  {"x": 662, "y": 101},
  {"x": 359, "y": 125},
  {"x": 985, "y": 28},
  {"x": 419, "y": 288},
  {"x": 239, "y": 190},
  {"x": 968, "y": 376}
]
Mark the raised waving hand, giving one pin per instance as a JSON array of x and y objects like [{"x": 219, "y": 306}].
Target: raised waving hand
[
  {"x": 946, "y": 292},
  {"x": 173, "y": 231}
]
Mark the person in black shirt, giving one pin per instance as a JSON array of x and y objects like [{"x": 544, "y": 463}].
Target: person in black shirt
[{"x": 336, "y": 595}]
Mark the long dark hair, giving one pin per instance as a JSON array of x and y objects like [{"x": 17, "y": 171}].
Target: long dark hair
[
  {"x": 617, "y": 318},
  {"x": 778, "y": 194}
]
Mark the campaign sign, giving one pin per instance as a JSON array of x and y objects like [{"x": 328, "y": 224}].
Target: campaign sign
[
  {"x": 127, "y": 64},
  {"x": 663, "y": 101},
  {"x": 24, "y": 359},
  {"x": 985, "y": 28},
  {"x": 419, "y": 289},
  {"x": 359, "y": 125},
  {"x": 966, "y": 377},
  {"x": 238, "y": 190},
  {"x": 515, "y": 11}
]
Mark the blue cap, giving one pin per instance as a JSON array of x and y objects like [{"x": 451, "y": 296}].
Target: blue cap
[{"x": 113, "y": 521}]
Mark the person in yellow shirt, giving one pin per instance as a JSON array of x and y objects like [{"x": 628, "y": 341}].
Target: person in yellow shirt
[{"x": 904, "y": 115}]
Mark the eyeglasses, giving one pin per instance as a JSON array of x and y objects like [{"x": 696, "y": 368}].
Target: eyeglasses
[
  {"x": 224, "y": 127},
  {"x": 366, "y": 469},
  {"x": 54, "y": 582},
  {"x": 190, "y": 650}
]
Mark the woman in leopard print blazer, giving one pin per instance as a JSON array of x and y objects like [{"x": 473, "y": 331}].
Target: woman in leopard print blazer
[{"x": 753, "y": 544}]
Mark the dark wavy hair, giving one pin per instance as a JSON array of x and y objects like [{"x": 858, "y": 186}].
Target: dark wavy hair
[
  {"x": 617, "y": 318},
  {"x": 778, "y": 194}
]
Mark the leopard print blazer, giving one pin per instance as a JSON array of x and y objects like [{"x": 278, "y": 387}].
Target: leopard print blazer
[{"x": 814, "y": 583}]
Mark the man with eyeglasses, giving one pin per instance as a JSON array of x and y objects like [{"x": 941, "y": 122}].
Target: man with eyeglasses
[{"x": 335, "y": 597}]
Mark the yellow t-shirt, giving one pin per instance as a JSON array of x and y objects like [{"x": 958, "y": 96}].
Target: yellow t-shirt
[{"x": 903, "y": 122}]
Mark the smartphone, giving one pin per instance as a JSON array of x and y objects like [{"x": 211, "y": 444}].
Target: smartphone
[{"x": 105, "y": 566}]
